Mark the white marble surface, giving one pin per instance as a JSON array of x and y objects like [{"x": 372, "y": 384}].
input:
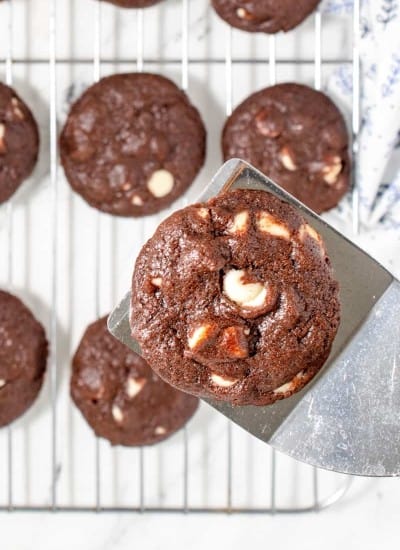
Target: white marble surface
[
  {"x": 368, "y": 519},
  {"x": 367, "y": 512}
]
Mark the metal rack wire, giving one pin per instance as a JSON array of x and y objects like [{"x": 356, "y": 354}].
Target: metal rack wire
[{"x": 185, "y": 61}]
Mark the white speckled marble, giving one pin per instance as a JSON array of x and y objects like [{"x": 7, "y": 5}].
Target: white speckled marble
[{"x": 369, "y": 504}]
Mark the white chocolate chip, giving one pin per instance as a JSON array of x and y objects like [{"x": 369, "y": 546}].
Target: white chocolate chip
[
  {"x": 199, "y": 335},
  {"x": 160, "y": 183},
  {"x": 241, "y": 13},
  {"x": 332, "y": 170},
  {"x": 239, "y": 223},
  {"x": 268, "y": 224},
  {"x": 2, "y": 383},
  {"x": 2, "y": 134},
  {"x": 287, "y": 160},
  {"x": 284, "y": 388},
  {"x": 156, "y": 281},
  {"x": 310, "y": 231},
  {"x": 136, "y": 200},
  {"x": 17, "y": 111},
  {"x": 126, "y": 186},
  {"x": 160, "y": 430},
  {"x": 289, "y": 386},
  {"x": 134, "y": 386},
  {"x": 203, "y": 213},
  {"x": 246, "y": 295},
  {"x": 305, "y": 230},
  {"x": 223, "y": 381},
  {"x": 117, "y": 414}
]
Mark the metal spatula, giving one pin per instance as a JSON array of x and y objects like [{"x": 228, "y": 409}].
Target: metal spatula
[{"x": 348, "y": 418}]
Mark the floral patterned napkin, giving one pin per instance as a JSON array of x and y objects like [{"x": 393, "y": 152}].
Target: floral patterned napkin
[{"x": 379, "y": 144}]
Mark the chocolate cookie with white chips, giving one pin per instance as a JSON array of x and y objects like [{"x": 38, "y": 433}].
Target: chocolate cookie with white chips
[
  {"x": 269, "y": 16},
  {"x": 235, "y": 299},
  {"x": 133, "y": 3},
  {"x": 132, "y": 144},
  {"x": 19, "y": 142},
  {"x": 121, "y": 398},
  {"x": 23, "y": 358},
  {"x": 296, "y": 136}
]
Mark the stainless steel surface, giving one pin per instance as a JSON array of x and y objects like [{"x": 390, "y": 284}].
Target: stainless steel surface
[
  {"x": 54, "y": 62},
  {"x": 349, "y": 421},
  {"x": 325, "y": 424}
]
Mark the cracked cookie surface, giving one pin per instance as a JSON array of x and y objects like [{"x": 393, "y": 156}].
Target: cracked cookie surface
[
  {"x": 121, "y": 398},
  {"x": 19, "y": 142},
  {"x": 23, "y": 358},
  {"x": 296, "y": 136},
  {"x": 234, "y": 299},
  {"x": 132, "y": 144},
  {"x": 269, "y": 16}
]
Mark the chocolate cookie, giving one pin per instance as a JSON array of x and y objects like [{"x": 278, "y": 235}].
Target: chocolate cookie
[
  {"x": 121, "y": 398},
  {"x": 19, "y": 142},
  {"x": 297, "y": 137},
  {"x": 234, "y": 299},
  {"x": 133, "y": 3},
  {"x": 132, "y": 144},
  {"x": 268, "y": 16},
  {"x": 23, "y": 358}
]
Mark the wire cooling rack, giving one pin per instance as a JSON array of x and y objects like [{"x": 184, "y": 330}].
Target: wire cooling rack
[{"x": 71, "y": 263}]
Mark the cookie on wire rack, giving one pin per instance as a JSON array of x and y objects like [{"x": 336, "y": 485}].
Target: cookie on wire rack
[
  {"x": 23, "y": 358},
  {"x": 132, "y": 144},
  {"x": 121, "y": 398},
  {"x": 269, "y": 16},
  {"x": 19, "y": 142},
  {"x": 133, "y": 3},
  {"x": 296, "y": 136}
]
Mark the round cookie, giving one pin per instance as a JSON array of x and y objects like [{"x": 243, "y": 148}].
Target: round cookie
[
  {"x": 270, "y": 16},
  {"x": 121, "y": 398},
  {"x": 23, "y": 358},
  {"x": 132, "y": 144},
  {"x": 297, "y": 137},
  {"x": 234, "y": 299},
  {"x": 19, "y": 142},
  {"x": 133, "y": 3}
]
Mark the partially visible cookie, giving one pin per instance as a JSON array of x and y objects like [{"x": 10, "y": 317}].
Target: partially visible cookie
[
  {"x": 235, "y": 299},
  {"x": 121, "y": 398},
  {"x": 132, "y": 144},
  {"x": 270, "y": 16},
  {"x": 133, "y": 3},
  {"x": 23, "y": 358},
  {"x": 297, "y": 137},
  {"x": 19, "y": 142}
]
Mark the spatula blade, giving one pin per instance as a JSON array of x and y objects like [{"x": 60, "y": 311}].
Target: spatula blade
[{"x": 348, "y": 418}]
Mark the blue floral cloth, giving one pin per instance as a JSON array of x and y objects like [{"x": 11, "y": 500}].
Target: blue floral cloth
[{"x": 379, "y": 140}]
